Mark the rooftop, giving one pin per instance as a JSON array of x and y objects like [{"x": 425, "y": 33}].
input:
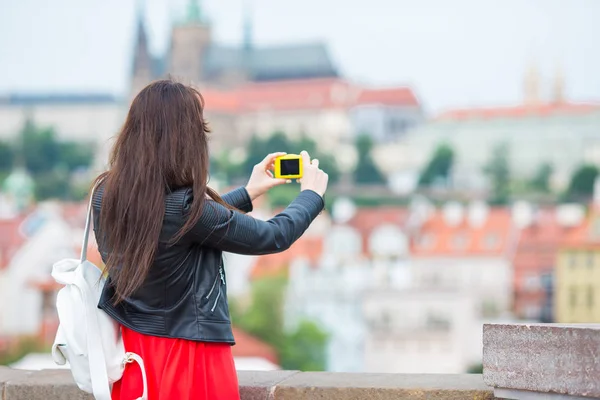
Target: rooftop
[
  {"x": 520, "y": 111},
  {"x": 304, "y": 94}
]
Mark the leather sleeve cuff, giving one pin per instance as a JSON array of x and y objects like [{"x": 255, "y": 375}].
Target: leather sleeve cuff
[{"x": 312, "y": 201}]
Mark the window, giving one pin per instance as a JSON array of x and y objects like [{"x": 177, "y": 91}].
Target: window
[
  {"x": 437, "y": 322},
  {"x": 572, "y": 259},
  {"x": 531, "y": 283},
  {"x": 573, "y": 297},
  {"x": 460, "y": 241},
  {"x": 590, "y": 260},
  {"x": 427, "y": 241},
  {"x": 491, "y": 241}
]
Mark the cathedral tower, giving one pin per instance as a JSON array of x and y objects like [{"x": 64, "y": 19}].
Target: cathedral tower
[
  {"x": 142, "y": 60},
  {"x": 190, "y": 40}
]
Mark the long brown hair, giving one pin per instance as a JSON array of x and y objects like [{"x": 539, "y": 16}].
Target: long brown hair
[{"x": 163, "y": 145}]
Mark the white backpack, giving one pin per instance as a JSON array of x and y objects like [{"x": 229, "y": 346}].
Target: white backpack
[{"x": 87, "y": 337}]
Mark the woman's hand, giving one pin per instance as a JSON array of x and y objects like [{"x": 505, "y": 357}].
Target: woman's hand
[
  {"x": 261, "y": 179},
  {"x": 313, "y": 178}
]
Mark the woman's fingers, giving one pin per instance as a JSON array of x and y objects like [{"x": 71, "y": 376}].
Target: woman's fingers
[
  {"x": 305, "y": 158},
  {"x": 270, "y": 159}
]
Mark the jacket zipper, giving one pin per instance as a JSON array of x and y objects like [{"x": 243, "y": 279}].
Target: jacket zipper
[
  {"x": 220, "y": 275},
  {"x": 213, "y": 286},
  {"x": 216, "y": 300}
]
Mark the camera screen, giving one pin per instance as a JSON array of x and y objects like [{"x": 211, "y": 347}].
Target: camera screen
[{"x": 290, "y": 167}]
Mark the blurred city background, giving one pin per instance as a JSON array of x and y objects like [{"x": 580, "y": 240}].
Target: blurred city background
[{"x": 462, "y": 141}]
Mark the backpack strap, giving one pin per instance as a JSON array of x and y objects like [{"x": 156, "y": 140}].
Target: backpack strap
[
  {"x": 100, "y": 383},
  {"x": 97, "y": 360},
  {"x": 88, "y": 222}
]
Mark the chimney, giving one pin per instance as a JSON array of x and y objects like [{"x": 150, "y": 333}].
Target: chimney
[
  {"x": 522, "y": 214},
  {"x": 570, "y": 215},
  {"x": 478, "y": 213},
  {"x": 453, "y": 213}
]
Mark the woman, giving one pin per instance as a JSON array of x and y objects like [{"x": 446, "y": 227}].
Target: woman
[{"x": 161, "y": 232}]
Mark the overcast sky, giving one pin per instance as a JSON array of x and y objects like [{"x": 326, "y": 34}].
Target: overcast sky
[{"x": 452, "y": 52}]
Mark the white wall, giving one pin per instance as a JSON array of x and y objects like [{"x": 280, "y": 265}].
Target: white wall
[
  {"x": 403, "y": 338},
  {"x": 33, "y": 261},
  {"x": 328, "y": 126},
  {"x": 385, "y": 124},
  {"x": 487, "y": 279}
]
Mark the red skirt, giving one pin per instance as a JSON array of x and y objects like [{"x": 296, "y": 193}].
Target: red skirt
[{"x": 178, "y": 369}]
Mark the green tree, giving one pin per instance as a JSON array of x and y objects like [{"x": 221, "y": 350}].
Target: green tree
[
  {"x": 50, "y": 161},
  {"x": 303, "y": 349},
  {"x": 439, "y": 166},
  {"x": 38, "y": 148},
  {"x": 76, "y": 155},
  {"x": 258, "y": 148},
  {"x": 498, "y": 171},
  {"x": 264, "y": 317},
  {"x": 581, "y": 186},
  {"x": 6, "y": 157},
  {"x": 541, "y": 180},
  {"x": 366, "y": 171}
]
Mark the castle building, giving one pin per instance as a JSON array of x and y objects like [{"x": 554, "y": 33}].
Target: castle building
[{"x": 194, "y": 57}]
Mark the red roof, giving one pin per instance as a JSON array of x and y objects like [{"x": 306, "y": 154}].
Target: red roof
[
  {"x": 520, "y": 111},
  {"x": 247, "y": 345},
  {"x": 274, "y": 264},
  {"x": 586, "y": 236},
  {"x": 10, "y": 239},
  {"x": 390, "y": 97},
  {"x": 366, "y": 220},
  {"x": 329, "y": 93},
  {"x": 437, "y": 238}
]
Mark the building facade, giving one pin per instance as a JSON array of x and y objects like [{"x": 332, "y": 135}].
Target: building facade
[
  {"x": 577, "y": 277},
  {"x": 568, "y": 133}
]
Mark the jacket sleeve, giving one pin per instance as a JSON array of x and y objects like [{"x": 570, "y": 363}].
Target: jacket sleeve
[
  {"x": 234, "y": 232},
  {"x": 239, "y": 198}
]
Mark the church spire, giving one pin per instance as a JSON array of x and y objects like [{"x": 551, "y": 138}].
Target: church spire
[
  {"x": 142, "y": 60},
  {"x": 248, "y": 26},
  {"x": 141, "y": 55},
  {"x": 559, "y": 86},
  {"x": 531, "y": 86},
  {"x": 194, "y": 12}
]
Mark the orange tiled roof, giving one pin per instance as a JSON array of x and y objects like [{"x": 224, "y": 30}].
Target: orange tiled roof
[
  {"x": 327, "y": 93},
  {"x": 585, "y": 236},
  {"x": 543, "y": 110},
  {"x": 10, "y": 239},
  {"x": 439, "y": 239},
  {"x": 393, "y": 96},
  {"x": 275, "y": 264},
  {"x": 311, "y": 247},
  {"x": 367, "y": 219},
  {"x": 249, "y": 346}
]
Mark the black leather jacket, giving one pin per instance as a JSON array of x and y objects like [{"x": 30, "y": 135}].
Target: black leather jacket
[{"x": 184, "y": 295}]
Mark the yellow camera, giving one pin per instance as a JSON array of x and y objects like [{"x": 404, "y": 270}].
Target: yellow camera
[{"x": 288, "y": 166}]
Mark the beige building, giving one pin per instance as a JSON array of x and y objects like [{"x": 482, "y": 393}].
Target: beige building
[{"x": 538, "y": 131}]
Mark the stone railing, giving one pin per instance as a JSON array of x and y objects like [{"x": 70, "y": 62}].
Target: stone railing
[{"x": 520, "y": 362}]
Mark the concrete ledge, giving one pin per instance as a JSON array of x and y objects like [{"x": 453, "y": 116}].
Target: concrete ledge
[
  {"x": 543, "y": 359},
  {"x": 276, "y": 385}
]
